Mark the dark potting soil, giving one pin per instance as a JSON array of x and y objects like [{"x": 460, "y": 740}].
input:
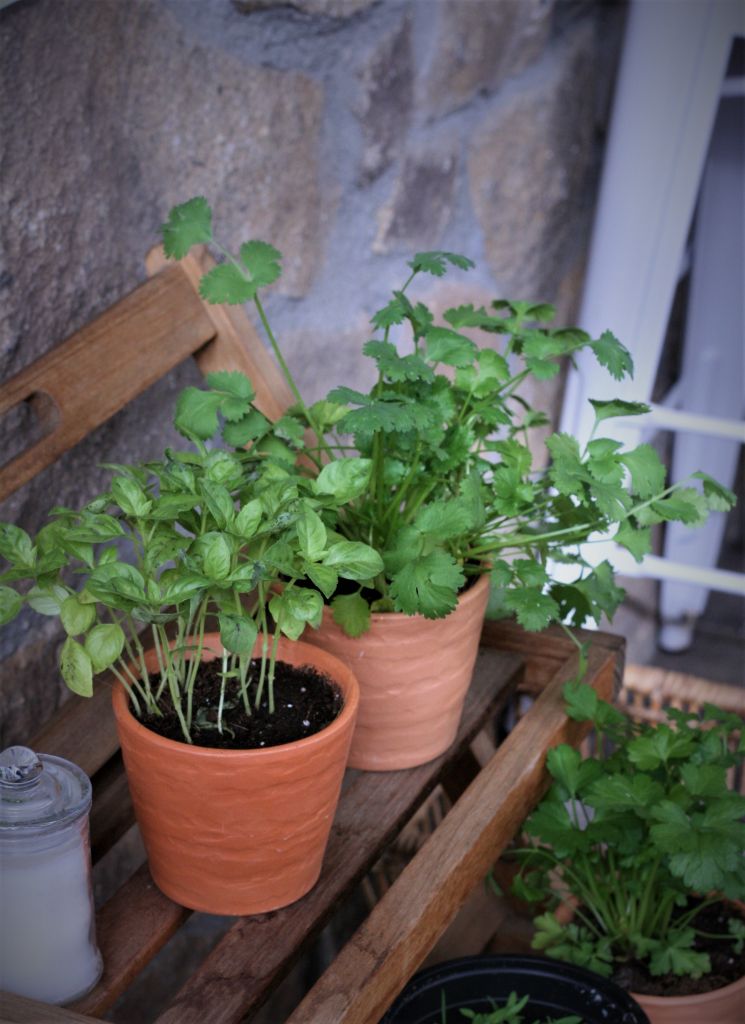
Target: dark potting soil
[
  {"x": 370, "y": 594},
  {"x": 726, "y": 965},
  {"x": 305, "y": 701}
]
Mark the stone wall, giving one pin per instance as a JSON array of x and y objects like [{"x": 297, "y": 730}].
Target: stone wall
[{"x": 349, "y": 133}]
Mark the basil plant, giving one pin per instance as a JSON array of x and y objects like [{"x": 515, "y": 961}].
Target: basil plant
[
  {"x": 176, "y": 546},
  {"x": 451, "y": 491}
]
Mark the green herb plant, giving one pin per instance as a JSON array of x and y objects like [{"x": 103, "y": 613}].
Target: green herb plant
[
  {"x": 174, "y": 546},
  {"x": 640, "y": 839},
  {"x": 441, "y": 440},
  {"x": 510, "y": 1013}
]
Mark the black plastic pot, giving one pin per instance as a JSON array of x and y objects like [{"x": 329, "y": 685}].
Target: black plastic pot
[{"x": 477, "y": 983}]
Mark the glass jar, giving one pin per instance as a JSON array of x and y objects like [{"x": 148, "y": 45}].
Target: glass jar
[{"x": 47, "y": 928}]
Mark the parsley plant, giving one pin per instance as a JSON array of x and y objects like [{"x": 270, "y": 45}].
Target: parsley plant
[{"x": 639, "y": 839}]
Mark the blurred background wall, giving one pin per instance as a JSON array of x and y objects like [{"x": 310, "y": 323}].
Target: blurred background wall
[{"x": 349, "y": 133}]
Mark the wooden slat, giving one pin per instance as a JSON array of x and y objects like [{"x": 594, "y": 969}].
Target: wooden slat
[
  {"x": 112, "y": 813},
  {"x": 256, "y": 952},
  {"x": 130, "y": 929},
  {"x": 546, "y": 651},
  {"x": 18, "y": 1010},
  {"x": 103, "y": 366},
  {"x": 236, "y": 345},
  {"x": 386, "y": 950},
  {"x": 83, "y": 730}
]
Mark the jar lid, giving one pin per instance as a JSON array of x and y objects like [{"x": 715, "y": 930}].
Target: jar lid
[{"x": 40, "y": 792}]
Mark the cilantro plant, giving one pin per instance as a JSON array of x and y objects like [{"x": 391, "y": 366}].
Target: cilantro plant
[
  {"x": 641, "y": 839},
  {"x": 173, "y": 546},
  {"x": 441, "y": 441}
]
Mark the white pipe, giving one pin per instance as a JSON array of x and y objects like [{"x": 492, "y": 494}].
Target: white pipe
[{"x": 661, "y": 569}]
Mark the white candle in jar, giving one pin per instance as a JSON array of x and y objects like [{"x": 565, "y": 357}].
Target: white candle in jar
[{"x": 47, "y": 936}]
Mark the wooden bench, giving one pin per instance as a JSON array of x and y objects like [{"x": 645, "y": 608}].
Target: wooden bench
[{"x": 159, "y": 324}]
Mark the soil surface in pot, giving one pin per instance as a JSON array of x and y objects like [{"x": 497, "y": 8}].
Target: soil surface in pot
[
  {"x": 345, "y": 587},
  {"x": 305, "y": 702},
  {"x": 726, "y": 965}
]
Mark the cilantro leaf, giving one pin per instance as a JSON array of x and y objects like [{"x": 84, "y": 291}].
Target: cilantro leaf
[
  {"x": 393, "y": 313},
  {"x": 352, "y": 613},
  {"x": 428, "y": 585},
  {"x": 445, "y": 519},
  {"x": 187, "y": 225},
  {"x": 196, "y": 413},
  {"x": 719, "y": 498},
  {"x": 617, "y": 407},
  {"x": 434, "y": 262},
  {"x": 614, "y": 356},
  {"x": 637, "y": 540},
  {"x": 262, "y": 261},
  {"x": 647, "y": 472},
  {"x": 533, "y": 608},
  {"x": 449, "y": 347},
  {"x": 226, "y": 283}
]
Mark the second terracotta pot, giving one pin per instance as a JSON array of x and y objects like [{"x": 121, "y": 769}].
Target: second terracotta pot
[
  {"x": 413, "y": 675},
  {"x": 722, "y": 1005},
  {"x": 238, "y": 831}
]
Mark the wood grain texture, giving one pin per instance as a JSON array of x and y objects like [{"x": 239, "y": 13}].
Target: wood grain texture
[
  {"x": 18, "y": 1010},
  {"x": 236, "y": 344},
  {"x": 387, "y": 949},
  {"x": 546, "y": 651},
  {"x": 82, "y": 730},
  {"x": 255, "y": 954},
  {"x": 125, "y": 350},
  {"x": 136, "y": 922}
]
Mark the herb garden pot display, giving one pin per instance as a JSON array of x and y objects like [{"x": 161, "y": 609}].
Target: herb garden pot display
[
  {"x": 239, "y": 831},
  {"x": 414, "y": 674},
  {"x": 646, "y": 841},
  {"x": 512, "y": 990},
  {"x": 432, "y": 467}
]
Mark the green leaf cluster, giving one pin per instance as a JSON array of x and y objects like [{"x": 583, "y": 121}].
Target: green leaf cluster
[
  {"x": 640, "y": 836},
  {"x": 443, "y": 484},
  {"x": 201, "y": 535}
]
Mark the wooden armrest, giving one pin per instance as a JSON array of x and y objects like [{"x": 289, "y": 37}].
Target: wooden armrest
[{"x": 387, "y": 949}]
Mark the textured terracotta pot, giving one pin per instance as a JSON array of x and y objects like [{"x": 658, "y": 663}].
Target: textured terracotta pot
[
  {"x": 413, "y": 674},
  {"x": 238, "y": 831},
  {"x": 722, "y": 1006}
]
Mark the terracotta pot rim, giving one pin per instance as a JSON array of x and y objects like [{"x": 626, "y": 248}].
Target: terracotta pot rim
[
  {"x": 464, "y": 600},
  {"x": 343, "y": 677},
  {"x": 699, "y": 999}
]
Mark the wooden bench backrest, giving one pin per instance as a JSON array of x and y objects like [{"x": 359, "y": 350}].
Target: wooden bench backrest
[{"x": 82, "y": 382}]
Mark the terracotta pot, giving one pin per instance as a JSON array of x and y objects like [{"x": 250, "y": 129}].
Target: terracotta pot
[
  {"x": 720, "y": 1006},
  {"x": 238, "y": 831},
  {"x": 413, "y": 674}
]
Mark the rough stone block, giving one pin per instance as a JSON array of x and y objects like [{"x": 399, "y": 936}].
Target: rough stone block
[
  {"x": 531, "y": 173},
  {"x": 480, "y": 44},
  {"x": 329, "y": 8},
  {"x": 421, "y": 205},
  {"x": 384, "y": 105}
]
